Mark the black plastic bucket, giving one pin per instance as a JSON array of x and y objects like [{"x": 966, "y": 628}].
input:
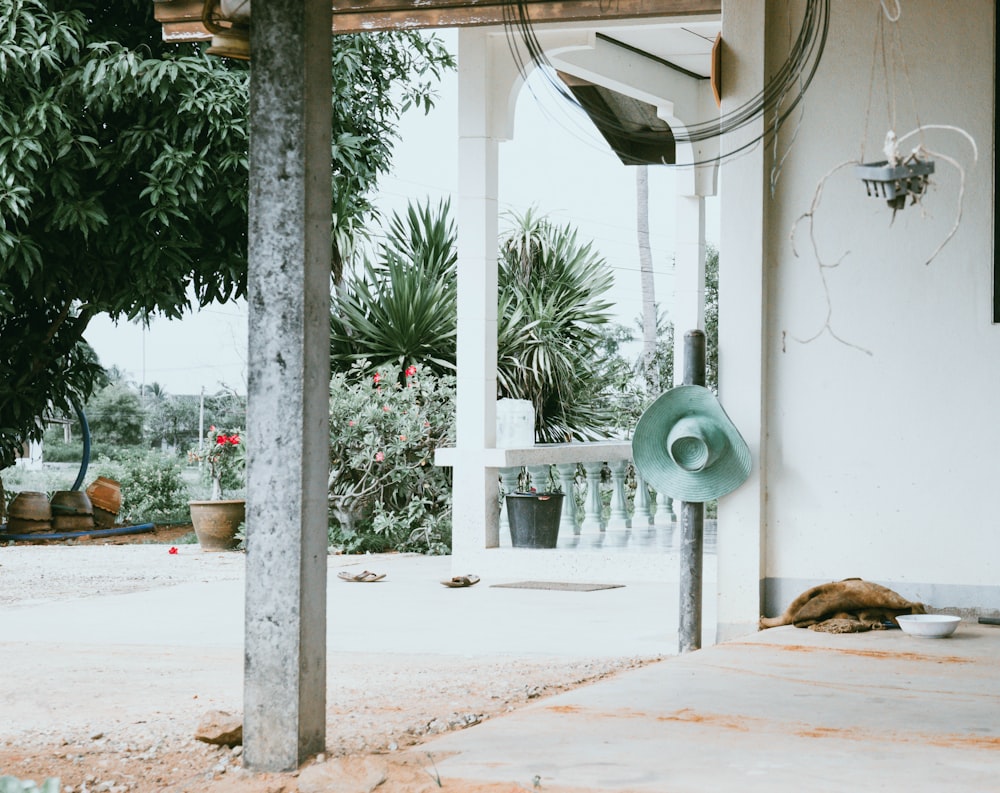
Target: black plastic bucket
[{"x": 534, "y": 519}]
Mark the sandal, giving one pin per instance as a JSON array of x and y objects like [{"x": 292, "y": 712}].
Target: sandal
[
  {"x": 364, "y": 577},
  {"x": 461, "y": 581}
]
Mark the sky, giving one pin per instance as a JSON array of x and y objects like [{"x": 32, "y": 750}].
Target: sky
[{"x": 557, "y": 163}]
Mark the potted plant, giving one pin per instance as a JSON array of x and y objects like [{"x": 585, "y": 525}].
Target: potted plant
[{"x": 223, "y": 459}]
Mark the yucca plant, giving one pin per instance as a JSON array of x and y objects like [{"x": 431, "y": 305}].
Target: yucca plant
[
  {"x": 401, "y": 308},
  {"x": 549, "y": 345}
]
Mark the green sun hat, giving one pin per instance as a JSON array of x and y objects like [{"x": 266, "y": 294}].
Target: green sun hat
[{"x": 687, "y": 447}]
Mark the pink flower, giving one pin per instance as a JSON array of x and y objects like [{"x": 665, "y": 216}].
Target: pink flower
[
  {"x": 350, "y": 423},
  {"x": 386, "y": 408},
  {"x": 402, "y": 437},
  {"x": 377, "y": 377},
  {"x": 379, "y": 457},
  {"x": 173, "y": 550},
  {"x": 411, "y": 370}
]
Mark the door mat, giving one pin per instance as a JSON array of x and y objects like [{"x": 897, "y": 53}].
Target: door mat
[{"x": 562, "y": 586}]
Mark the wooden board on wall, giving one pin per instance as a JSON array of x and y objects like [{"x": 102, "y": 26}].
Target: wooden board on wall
[{"x": 181, "y": 19}]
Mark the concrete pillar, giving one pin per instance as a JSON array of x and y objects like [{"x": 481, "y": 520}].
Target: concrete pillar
[
  {"x": 288, "y": 411},
  {"x": 742, "y": 318}
]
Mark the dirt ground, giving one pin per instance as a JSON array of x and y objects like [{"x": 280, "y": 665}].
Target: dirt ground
[{"x": 387, "y": 707}]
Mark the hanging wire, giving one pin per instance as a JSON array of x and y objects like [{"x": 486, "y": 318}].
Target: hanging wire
[{"x": 780, "y": 96}]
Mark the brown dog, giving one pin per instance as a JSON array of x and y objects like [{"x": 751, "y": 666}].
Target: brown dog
[{"x": 848, "y": 605}]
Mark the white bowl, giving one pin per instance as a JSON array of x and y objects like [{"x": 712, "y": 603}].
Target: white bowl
[{"x": 928, "y": 626}]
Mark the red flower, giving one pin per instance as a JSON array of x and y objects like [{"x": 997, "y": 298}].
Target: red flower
[
  {"x": 220, "y": 440},
  {"x": 411, "y": 370},
  {"x": 172, "y": 550},
  {"x": 234, "y": 440},
  {"x": 377, "y": 377}
]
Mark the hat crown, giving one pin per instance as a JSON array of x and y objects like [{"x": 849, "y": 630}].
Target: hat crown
[{"x": 694, "y": 443}]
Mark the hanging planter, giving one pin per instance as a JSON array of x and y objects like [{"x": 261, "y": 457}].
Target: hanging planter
[{"x": 894, "y": 183}]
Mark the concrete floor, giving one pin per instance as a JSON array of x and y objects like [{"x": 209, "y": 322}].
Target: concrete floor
[{"x": 782, "y": 710}]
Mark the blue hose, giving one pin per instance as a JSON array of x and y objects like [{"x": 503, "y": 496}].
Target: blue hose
[
  {"x": 85, "y": 429},
  {"x": 68, "y": 535}
]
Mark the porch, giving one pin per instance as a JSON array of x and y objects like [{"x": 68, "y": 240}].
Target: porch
[{"x": 612, "y": 526}]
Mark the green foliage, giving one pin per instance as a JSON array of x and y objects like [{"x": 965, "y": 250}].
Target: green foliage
[
  {"x": 152, "y": 485},
  {"x": 413, "y": 529},
  {"x": 401, "y": 309},
  {"x": 124, "y": 179},
  {"x": 712, "y": 318},
  {"x": 115, "y": 415},
  {"x": 9, "y": 784},
  {"x": 552, "y": 306},
  {"x": 385, "y": 490}
]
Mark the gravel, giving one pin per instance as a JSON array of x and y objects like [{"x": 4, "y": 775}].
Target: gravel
[{"x": 378, "y": 703}]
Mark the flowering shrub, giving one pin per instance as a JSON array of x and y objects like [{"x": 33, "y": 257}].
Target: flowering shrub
[
  {"x": 152, "y": 486},
  {"x": 224, "y": 457},
  {"x": 385, "y": 491}
]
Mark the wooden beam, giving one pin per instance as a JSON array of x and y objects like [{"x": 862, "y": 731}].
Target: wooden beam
[{"x": 181, "y": 19}]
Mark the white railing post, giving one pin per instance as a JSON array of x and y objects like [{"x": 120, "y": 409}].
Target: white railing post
[
  {"x": 567, "y": 481},
  {"x": 593, "y": 507},
  {"x": 618, "y": 517},
  {"x": 509, "y": 477}
]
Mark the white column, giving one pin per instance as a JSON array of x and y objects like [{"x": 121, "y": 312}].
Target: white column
[
  {"x": 742, "y": 518},
  {"x": 475, "y": 510},
  {"x": 288, "y": 424},
  {"x": 689, "y": 274}
]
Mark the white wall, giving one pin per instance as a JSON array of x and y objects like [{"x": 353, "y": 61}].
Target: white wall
[{"x": 883, "y": 464}]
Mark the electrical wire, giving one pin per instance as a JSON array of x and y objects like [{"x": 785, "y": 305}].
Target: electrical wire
[{"x": 773, "y": 104}]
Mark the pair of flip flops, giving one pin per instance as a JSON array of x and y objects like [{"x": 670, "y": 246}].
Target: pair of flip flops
[
  {"x": 461, "y": 581},
  {"x": 364, "y": 577}
]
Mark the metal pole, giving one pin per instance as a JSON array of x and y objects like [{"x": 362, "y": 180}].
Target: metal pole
[{"x": 692, "y": 520}]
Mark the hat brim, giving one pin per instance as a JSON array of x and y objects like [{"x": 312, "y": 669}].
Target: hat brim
[{"x": 652, "y": 458}]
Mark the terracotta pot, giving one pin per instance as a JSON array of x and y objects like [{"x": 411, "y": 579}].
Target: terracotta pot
[
  {"x": 72, "y": 522},
  {"x": 29, "y": 505},
  {"x": 216, "y": 523},
  {"x": 22, "y": 526},
  {"x": 106, "y": 494},
  {"x": 71, "y": 502}
]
